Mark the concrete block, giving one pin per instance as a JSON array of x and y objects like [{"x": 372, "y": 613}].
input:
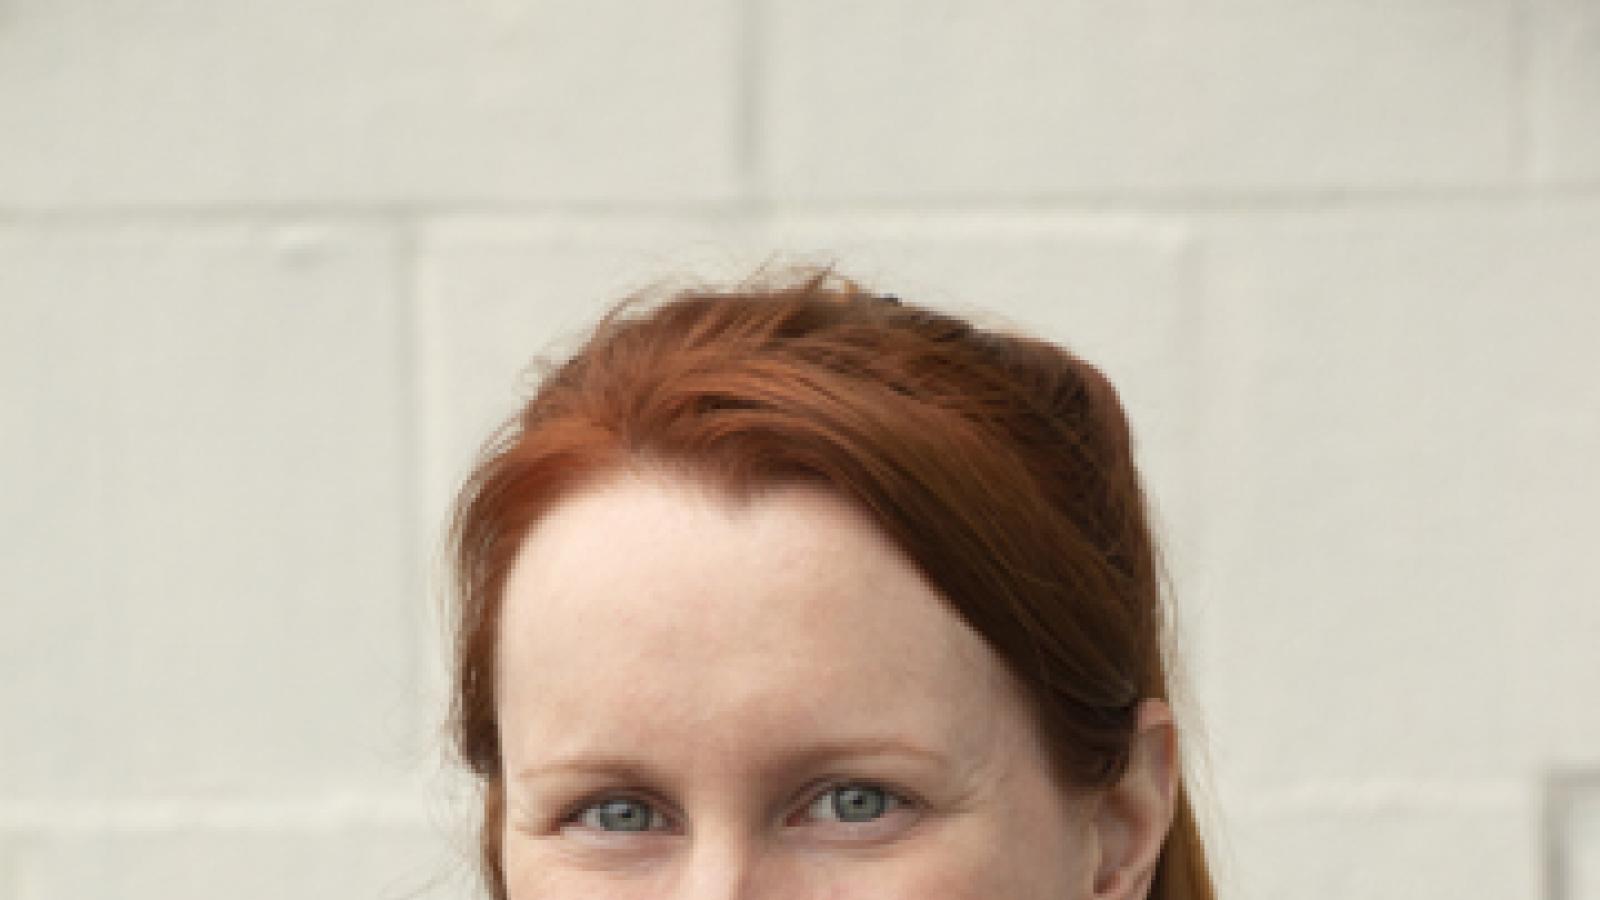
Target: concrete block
[
  {"x": 1488, "y": 853},
  {"x": 898, "y": 100},
  {"x": 1401, "y": 434},
  {"x": 314, "y": 863},
  {"x": 11, "y": 856},
  {"x": 338, "y": 102},
  {"x": 206, "y": 538},
  {"x": 1573, "y": 853},
  {"x": 1564, "y": 89}
]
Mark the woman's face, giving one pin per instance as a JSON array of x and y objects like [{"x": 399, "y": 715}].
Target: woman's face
[{"x": 703, "y": 701}]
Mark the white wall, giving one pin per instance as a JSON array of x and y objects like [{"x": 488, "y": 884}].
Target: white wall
[{"x": 268, "y": 271}]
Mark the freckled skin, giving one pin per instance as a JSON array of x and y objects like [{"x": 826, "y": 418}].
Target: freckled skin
[{"x": 651, "y": 619}]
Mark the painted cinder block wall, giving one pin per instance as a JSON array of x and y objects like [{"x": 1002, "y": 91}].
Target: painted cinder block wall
[{"x": 269, "y": 271}]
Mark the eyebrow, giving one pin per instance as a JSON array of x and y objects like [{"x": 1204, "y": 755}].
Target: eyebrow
[{"x": 816, "y": 754}]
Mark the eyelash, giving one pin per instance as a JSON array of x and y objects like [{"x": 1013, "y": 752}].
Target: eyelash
[{"x": 897, "y": 800}]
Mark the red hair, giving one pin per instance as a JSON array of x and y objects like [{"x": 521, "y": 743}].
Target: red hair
[{"x": 999, "y": 463}]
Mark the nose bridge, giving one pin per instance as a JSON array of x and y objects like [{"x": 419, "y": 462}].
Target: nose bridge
[{"x": 722, "y": 865}]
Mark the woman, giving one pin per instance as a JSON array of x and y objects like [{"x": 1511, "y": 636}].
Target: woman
[{"x": 793, "y": 591}]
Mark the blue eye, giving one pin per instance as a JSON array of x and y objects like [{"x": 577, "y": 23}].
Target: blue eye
[
  {"x": 618, "y": 814},
  {"x": 846, "y": 803},
  {"x": 856, "y": 802}
]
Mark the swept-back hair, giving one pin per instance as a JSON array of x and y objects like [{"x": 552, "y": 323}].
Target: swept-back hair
[{"x": 1001, "y": 464}]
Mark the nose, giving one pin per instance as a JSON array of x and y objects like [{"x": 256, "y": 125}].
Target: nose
[
  {"x": 733, "y": 865},
  {"x": 718, "y": 867}
]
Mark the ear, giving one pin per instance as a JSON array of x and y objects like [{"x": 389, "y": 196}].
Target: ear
[{"x": 1134, "y": 815}]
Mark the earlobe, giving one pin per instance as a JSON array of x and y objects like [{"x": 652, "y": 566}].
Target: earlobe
[{"x": 1135, "y": 814}]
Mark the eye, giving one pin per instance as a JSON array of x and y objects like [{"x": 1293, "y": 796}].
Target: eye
[
  {"x": 850, "y": 804},
  {"x": 856, "y": 802},
  {"x": 616, "y": 814}
]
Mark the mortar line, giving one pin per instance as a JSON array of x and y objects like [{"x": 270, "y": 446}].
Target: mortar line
[
  {"x": 1553, "y": 860},
  {"x": 1521, "y": 81},
  {"x": 413, "y": 455},
  {"x": 750, "y": 68}
]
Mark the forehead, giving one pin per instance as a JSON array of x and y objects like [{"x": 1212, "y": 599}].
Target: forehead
[{"x": 651, "y": 608}]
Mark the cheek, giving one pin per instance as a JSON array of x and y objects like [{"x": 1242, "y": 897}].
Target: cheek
[
  {"x": 1024, "y": 849},
  {"x": 1011, "y": 862},
  {"x": 1026, "y": 844},
  {"x": 1028, "y": 841},
  {"x": 533, "y": 876}
]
